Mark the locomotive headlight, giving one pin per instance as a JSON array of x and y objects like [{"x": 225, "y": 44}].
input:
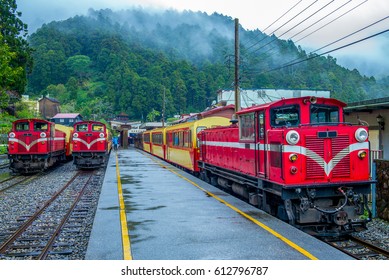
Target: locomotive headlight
[
  {"x": 75, "y": 135},
  {"x": 43, "y": 135},
  {"x": 362, "y": 154},
  {"x": 361, "y": 135},
  {"x": 292, "y": 137},
  {"x": 12, "y": 135},
  {"x": 101, "y": 135},
  {"x": 293, "y": 157}
]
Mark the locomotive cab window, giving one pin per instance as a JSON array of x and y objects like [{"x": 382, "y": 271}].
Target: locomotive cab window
[
  {"x": 285, "y": 116},
  {"x": 324, "y": 114},
  {"x": 82, "y": 127},
  {"x": 97, "y": 127},
  {"x": 247, "y": 127},
  {"x": 38, "y": 126},
  {"x": 22, "y": 126}
]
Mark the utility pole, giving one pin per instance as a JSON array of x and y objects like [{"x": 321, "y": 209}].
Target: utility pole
[
  {"x": 163, "y": 108},
  {"x": 237, "y": 95}
]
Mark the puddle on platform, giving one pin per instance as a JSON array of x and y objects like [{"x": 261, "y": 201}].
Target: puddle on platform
[
  {"x": 133, "y": 225},
  {"x": 155, "y": 207},
  {"x": 127, "y": 179},
  {"x": 110, "y": 208}
]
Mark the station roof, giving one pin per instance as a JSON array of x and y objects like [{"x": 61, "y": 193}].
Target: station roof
[{"x": 368, "y": 105}]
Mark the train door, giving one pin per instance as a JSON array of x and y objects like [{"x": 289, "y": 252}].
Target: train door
[{"x": 260, "y": 145}]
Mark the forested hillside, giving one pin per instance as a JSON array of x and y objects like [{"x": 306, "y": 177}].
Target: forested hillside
[{"x": 110, "y": 62}]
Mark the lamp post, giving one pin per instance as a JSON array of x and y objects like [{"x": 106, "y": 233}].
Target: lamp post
[
  {"x": 381, "y": 122},
  {"x": 381, "y": 126}
]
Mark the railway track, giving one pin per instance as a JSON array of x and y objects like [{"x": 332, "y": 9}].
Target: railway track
[
  {"x": 359, "y": 248},
  {"x": 36, "y": 236},
  {"x": 13, "y": 181}
]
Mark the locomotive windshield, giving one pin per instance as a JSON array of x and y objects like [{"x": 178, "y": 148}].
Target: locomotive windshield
[
  {"x": 324, "y": 114},
  {"x": 22, "y": 126},
  {"x": 82, "y": 127},
  {"x": 40, "y": 126},
  {"x": 285, "y": 116},
  {"x": 97, "y": 127}
]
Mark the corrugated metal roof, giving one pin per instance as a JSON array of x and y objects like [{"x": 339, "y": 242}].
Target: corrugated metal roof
[{"x": 66, "y": 116}]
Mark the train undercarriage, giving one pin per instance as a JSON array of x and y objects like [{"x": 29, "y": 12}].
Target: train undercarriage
[
  {"x": 89, "y": 160},
  {"x": 327, "y": 210},
  {"x": 27, "y": 164}
]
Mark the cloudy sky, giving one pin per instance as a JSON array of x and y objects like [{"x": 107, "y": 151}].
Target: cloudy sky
[{"x": 370, "y": 57}]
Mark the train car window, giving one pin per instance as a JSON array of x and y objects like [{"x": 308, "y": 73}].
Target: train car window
[
  {"x": 324, "y": 114},
  {"x": 261, "y": 125},
  {"x": 181, "y": 139},
  {"x": 187, "y": 141},
  {"x": 82, "y": 127},
  {"x": 176, "y": 139},
  {"x": 170, "y": 139},
  {"x": 146, "y": 137},
  {"x": 97, "y": 127},
  {"x": 39, "y": 126},
  {"x": 200, "y": 128},
  {"x": 285, "y": 116},
  {"x": 247, "y": 127},
  {"x": 22, "y": 126},
  {"x": 156, "y": 138}
]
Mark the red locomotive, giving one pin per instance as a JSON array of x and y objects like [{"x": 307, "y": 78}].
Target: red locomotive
[
  {"x": 91, "y": 144},
  {"x": 296, "y": 159},
  {"x": 35, "y": 144}
]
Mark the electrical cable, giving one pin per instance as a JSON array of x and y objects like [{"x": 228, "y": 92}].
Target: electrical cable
[{"x": 331, "y": 21}]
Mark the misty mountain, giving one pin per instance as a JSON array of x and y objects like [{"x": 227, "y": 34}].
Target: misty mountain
[{"x": 130, "y": 57}]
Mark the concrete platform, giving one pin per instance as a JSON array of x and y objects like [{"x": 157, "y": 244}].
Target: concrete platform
[{"x": 171, "y": 215}]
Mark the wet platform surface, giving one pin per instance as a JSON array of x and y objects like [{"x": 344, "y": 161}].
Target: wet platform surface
[{"x": 171, "y": 215}]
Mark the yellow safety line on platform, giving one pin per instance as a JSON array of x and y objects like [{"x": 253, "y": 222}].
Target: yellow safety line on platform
[
  {"x": 123, "y": 218},
  {"x": 255, "y": 221}
]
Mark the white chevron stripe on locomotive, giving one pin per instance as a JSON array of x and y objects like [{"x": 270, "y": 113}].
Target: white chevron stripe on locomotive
[
  {"x": 328, "y": 167},
  {"x": 28, "y": 147},
  {"x": 88, "y": 144}
]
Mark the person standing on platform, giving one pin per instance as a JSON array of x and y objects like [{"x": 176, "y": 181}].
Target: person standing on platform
[{"x": 115, "y": 143}]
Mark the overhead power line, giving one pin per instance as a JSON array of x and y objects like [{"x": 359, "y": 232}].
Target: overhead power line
[
  {"x": 290, "y": 29},
  {"x": 274, "y": 23},
  {"x": 345, "y": 37},
  {"x": 256, "y": 36},
  {"x": 282, "y": 26},
  {"x": 331, "y": 21},
  {"x": 316, "y": 22},
  {"x": 327, "y": 52}
]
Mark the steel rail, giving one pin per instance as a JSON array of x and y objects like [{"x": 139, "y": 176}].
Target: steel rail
[
  {"x": 19, "y": 232},
  {"x": 45, "y": 251}
]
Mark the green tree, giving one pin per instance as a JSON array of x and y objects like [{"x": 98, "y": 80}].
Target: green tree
[
  {"x": 79, "y": 65},
  {"x": 8, "y": 74},
  {"x": 13, "y": 33},
  {"x": 151, "y": 116}
]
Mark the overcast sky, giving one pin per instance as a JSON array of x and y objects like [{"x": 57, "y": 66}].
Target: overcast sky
[{"x": 370, "y": 57}]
